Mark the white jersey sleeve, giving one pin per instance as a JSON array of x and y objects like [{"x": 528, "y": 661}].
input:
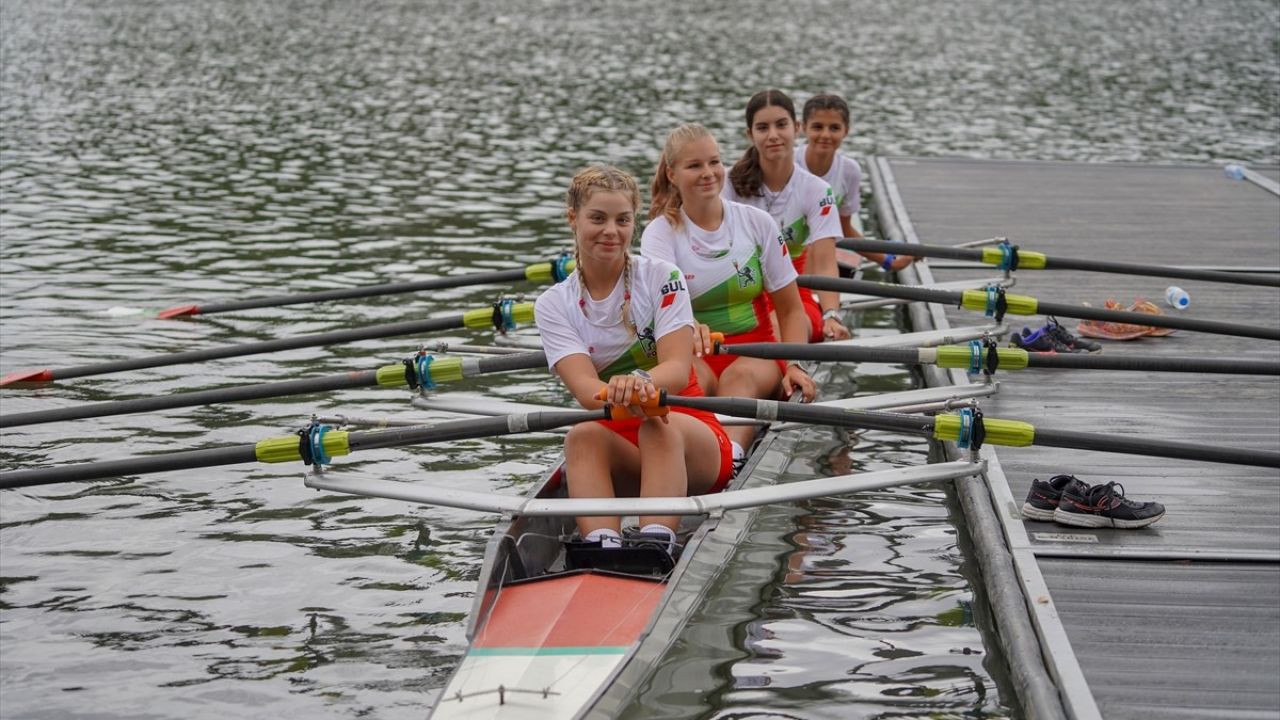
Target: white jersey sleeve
[
  {"x": 675, "y": 309},
  {"x": 657, "y": 241},
  {"x": 851, "y": 193},
  {"x": 550, "y": 313},
  {"x": 820, "y": 211}
]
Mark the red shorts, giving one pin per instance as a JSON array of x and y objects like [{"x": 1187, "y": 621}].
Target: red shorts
[
  {"x": 762, "y": 333},
  {"x": 630, "y": 430},
  {"x": 813, "y": 311}
]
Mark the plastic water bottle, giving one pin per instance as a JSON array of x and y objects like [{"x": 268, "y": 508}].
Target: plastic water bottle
[
  {"x": 1177, "y": 297},
  {"x": 1233, "y": 171}
]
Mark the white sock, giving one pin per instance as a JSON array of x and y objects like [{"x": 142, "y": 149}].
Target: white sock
[
  {"x": 608, "y": 538},
  {"x": 657, "y": 529},
  {"x": 736, "y": 450}
]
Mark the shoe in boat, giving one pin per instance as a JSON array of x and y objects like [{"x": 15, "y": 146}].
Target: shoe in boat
[
  {"x": 1104, "y": 506},
  {"x": 1044, "y": 496}
]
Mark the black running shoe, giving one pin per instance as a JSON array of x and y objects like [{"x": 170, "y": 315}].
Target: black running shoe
[
  {"x": 1044, "y": 496},
  {"x": 1105, "y": 506},
  {"x": 1041, "y": 341},
  {"x": 1062, "y": 335}
]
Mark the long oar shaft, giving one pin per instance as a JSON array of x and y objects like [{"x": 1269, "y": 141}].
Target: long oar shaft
[
  {"x": 1027, "y": 305},
  {"x": 998, "y": 431},
  {"x": 959, "y": 356},
  {"x": 1028, "y": 260},
  {"x": 474, "y": 319},
  {"x": 289, "y": 447},
  {"x": 440, "y": 370},
  {"x": 538, "y": 272}
]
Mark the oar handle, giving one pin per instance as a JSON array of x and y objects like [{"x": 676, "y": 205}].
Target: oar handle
[{"x": 652, "y": 407}]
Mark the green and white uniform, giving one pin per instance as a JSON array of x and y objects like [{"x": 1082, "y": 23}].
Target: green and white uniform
[
  {"x": 805, "y": 210},
  {"x": 728, "y": 269},
  {"x": 845, "y": 179},
  {"x": 572, "y": 323}
]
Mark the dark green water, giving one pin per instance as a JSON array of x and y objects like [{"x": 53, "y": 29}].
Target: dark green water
[{"x": 159, "y": 153}]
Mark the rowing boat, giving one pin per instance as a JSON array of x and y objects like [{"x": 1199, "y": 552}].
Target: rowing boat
[{"x": 550, "y": 639}]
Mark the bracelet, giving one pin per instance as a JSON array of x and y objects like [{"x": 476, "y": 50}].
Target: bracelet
[
  {"x": 888, "y": 261},
  {"x": 831, "y": 314}
]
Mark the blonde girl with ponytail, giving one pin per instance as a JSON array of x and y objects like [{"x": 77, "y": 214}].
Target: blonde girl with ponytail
[{"x": 734, "y": 260}]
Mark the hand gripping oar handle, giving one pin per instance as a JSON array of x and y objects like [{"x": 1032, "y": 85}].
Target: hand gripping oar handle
[
  {"x": 290, "y": 448},
  {"x": 978, "y": 300},
  {"x": 994, "y": 431},
  {"x": 439, "y": 370},
  {"x": 479, "y": 318},
  {"x": 555, "y": 270},
  {"x": 1028, "y": 260}
]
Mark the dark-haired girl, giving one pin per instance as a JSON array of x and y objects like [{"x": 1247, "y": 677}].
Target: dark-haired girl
[{"x": 802, "y": 204}]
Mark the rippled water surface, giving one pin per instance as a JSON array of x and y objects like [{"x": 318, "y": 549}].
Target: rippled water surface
[{"x": 153, "y": 154}]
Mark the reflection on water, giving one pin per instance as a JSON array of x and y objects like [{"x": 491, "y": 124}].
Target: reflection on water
[{"x": 153, "y": 154}]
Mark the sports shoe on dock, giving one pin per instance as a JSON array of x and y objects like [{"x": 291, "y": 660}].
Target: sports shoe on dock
[
  {"x": 1104, "y": 506},
  {"x": 1040, "y": 341},
  {"x": 1044, "y": 496},
  {"x": 1077, "y": 344}
]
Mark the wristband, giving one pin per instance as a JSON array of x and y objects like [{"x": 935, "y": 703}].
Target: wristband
[
  {"x": 888, "y": 261},
  {"x": 831, "y": 314}
]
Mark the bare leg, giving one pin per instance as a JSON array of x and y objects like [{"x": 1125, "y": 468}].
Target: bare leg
[
  {"x": 595, "y": 457},
  {"x": 752, "y": 378},
  {"x": 678, "y": 458}
]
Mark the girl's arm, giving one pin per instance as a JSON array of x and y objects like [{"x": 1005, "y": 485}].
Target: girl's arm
[
  {"x": 795, "y": 329},
  {"x": 822, "y": 261},
  {"x": 675, "y": 358}
]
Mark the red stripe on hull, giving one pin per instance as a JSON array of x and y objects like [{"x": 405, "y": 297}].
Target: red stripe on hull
[{"x": 578, "y": 610}]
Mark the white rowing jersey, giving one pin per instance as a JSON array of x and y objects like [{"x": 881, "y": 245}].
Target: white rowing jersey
[
  {"x": 659, "y": 306},
  {"x": 728, "y": 269},
  {"x": 805, "y": 210},
  {"x": 845, "y": 179}
]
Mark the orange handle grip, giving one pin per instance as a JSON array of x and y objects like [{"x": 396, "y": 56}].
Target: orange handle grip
[
  {"x": 651, "y": 407},
  {"x": 717, "y": 339}
]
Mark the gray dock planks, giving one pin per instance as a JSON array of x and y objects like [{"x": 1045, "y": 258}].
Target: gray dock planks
[{"x": 1172, "y": 635}]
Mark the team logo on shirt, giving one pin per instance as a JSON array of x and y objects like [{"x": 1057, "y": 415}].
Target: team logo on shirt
[
  {"x": 674, "y": 284},
  {"x": 782, "y": 243},
  {"x": 746, "y": 275},
  {"x": 788, "y": 235},
  {"x": 824, "y": 207},
  {"x": 648, "y": 345}
]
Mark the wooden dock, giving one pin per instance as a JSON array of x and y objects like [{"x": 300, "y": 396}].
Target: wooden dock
[{"x": 1180, "y": 619}]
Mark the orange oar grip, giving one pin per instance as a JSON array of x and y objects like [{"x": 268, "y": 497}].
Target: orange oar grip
[{"x": 717, "y": 339}]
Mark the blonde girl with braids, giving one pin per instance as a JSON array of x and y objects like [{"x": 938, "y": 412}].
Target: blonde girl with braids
[
  {"x": 825, "y": 123},
  {"x": 802, "y": 205},
  {"x": 733, "y": 259},
  {"x": 621, "y": 327}
]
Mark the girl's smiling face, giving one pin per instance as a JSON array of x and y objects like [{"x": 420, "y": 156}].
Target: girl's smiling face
[
  {"x": 825, "y": 130},
  {"x": 773, "y": 132},
  {"x": 603, "y": 226}
]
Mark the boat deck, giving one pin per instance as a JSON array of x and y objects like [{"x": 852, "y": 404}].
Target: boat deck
[{"x": 1181, "y": 619}]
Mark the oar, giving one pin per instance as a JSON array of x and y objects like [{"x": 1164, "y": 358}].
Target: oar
[
  {"x": 983, "y": 301},
  {"x": 1019, "y": 259},
  {"x": 1012, "y": 433},
  {"x": 555, "y": 270},
  {"x": 503, "y": 314},
  {"x": 979, "y": 358},
  {"x": 420, "y": 371},
  {"x": 310, "y": 446}
]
